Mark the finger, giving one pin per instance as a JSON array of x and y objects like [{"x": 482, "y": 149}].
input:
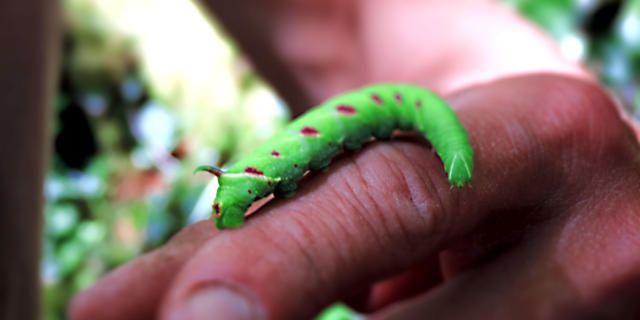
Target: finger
[
  {"x": 417, "y": 280},
  {"x": 488, "y": 240},
  {"x": 524, "y": 283},
  {"x": 380, "y": 211},
  {"x": 583, "y": 265},
  {"x": 134, "y": 291},
  {"x": 407, "y": 284}
]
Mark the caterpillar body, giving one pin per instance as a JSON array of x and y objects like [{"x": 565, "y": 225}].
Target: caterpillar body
[{"x": 343, "y": 122}]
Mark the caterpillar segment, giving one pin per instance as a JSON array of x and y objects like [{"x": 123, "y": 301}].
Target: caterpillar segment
[{"x": 344, "y": 122}]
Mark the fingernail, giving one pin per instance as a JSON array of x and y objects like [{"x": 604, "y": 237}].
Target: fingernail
[{"x": 217, "y": 302}]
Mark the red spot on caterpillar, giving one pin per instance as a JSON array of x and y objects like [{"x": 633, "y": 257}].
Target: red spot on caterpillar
[
  {"x": 295, "y": 165},
  {"x": 254, "y": 171},
  {"x": 376, "y": 99},
  {"x": 269, "y": 182},
  {"x": 249, "y": 191},
  {"x": 345, "y": 109},
  {"x": 275, "y": 153},
  {"x": 309, "y": 132},
  {"x": 398, "y": 98},
  {"x": 418, "y": 104}
]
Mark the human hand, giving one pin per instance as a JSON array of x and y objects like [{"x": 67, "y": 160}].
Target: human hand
[{"x": 548, "y": 227}]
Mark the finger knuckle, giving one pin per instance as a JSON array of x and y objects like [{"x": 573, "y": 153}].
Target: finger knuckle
[{"x": 400, "y": 201}]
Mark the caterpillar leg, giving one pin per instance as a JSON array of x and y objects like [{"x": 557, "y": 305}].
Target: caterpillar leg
[
  {"x": 320, "y": 164},
  {"x": 286, "y": 189}
]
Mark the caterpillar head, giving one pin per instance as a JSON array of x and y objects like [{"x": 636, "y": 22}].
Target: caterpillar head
[
  {"x": 236, "y": 193},
  {"x": 227, "y": 216}
]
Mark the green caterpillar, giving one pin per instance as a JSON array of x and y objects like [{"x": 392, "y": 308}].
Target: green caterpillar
[{"x": 346, "y": 121}]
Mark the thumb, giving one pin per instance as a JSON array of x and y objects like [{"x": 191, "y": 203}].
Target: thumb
[{"x": 388, "y": 207}]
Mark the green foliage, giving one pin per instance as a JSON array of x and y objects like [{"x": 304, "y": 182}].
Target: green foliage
[{"x": 558, "y": 17}]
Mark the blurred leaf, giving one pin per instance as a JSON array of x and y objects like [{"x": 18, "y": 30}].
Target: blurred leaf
[
  {"x": 84, "y": 278},
  {"x": 90, "y": 233},
  {"x": 70, "y": 255},
  {"x": 60, "y": 220},
  {"x": 555, "y": 16},
  {"x": 55, "y": 302}
]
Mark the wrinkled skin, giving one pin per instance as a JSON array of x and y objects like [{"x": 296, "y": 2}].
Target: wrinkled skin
[{"x": 549, "y": 228}]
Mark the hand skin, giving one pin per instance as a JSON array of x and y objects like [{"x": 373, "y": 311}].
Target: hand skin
[{"x": 549, "y": 227}]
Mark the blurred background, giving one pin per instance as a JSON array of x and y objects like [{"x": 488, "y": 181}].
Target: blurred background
[{"x": 150, "y": 89}]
